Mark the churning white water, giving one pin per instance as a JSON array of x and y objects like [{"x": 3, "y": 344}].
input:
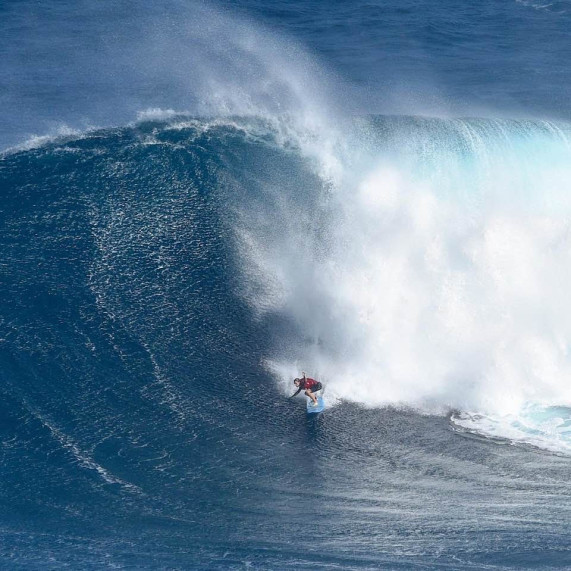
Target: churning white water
[{"x": 434, "y": 272}]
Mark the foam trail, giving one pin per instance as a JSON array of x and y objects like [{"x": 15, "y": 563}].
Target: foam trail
[
  {"x": 435, "y": 274},
  {"x": 542, "y": 427}
]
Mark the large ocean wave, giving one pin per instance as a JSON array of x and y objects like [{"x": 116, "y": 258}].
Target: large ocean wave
[{"x": 404, "y": 261}]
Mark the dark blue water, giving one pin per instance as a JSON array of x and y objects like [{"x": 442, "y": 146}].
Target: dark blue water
[{"x": 199, "y": 202}]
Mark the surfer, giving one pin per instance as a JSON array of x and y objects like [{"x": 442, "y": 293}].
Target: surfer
[{"x": 311, "y": 386}]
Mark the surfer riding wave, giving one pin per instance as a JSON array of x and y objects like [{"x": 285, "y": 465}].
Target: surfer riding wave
[{"x": 311, "y": 387}]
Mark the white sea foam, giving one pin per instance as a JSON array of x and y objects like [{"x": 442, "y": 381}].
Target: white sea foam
[
  {"x": 543, "y": 427},
  {"x": 60, "y": 133},
  {"x": 442, "y": 280}
]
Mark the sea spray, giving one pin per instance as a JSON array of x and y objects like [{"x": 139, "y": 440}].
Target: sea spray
[{"x": 433, "y": 273}]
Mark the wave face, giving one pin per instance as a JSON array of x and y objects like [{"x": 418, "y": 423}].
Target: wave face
[{"x": 163, "y": 277}]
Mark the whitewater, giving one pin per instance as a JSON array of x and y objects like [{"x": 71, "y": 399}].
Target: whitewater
[{"x": 204, "y": 202}]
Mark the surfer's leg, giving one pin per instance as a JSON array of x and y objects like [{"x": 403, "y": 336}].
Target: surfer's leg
[{"x": 311, "y": 396}]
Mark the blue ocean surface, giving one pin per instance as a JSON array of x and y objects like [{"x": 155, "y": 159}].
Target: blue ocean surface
[{"x": 202, "y": 200}]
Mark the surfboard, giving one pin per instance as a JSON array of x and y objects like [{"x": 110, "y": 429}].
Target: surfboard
[{"x": 313, "y": 409}]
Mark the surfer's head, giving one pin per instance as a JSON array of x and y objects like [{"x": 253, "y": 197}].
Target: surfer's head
[{"x": 296, "y": 382}]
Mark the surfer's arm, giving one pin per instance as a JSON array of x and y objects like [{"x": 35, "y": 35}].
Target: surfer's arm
[{"x": 296, "y": 393}]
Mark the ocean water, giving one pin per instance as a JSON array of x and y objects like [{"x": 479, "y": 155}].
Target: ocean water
[{"x": 202, "y": 200}]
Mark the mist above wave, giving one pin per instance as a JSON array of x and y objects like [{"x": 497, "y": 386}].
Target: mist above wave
[{"x": 78, "y": 66}]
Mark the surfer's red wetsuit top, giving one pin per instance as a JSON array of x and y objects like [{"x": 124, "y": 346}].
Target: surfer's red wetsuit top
[{"x": 308, "y": 383}]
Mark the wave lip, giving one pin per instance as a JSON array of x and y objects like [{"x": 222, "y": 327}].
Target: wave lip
[{"x": 544, "y": 427}]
